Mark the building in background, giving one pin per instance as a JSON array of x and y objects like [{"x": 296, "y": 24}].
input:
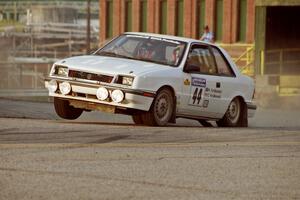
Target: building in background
[
  {"x": 232, "y": 21},
  {"x": 262, "y": 36},
  {"x": 277, "y": 47}
]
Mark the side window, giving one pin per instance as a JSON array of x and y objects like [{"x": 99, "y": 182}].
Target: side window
[
  {"x": 201, "y": 57},
  {"x": 223, "y": 67}
]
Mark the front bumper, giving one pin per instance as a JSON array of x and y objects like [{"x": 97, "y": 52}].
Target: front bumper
[{"x": 86, "y": 92}]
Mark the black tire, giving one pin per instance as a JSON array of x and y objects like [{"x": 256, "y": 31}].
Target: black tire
[
  {"x": 234, "y": 114},
  {"x": 205, "y": 123},
  {"x": 137, "y": 119},
  {"x": 64, "y": 110},
  {"x": 161, "y": 109},
  {"x": 244, "y": 117}
]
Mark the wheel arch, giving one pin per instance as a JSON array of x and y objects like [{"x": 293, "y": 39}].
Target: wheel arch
[
  {"x": 167, "y": 87},
  {"x": 242, "y": 100},
  {"x": 239, "y": 96},
  {"x": 243, "y": 121},
  {"x": 173, "y": 118},
  {"x": 243, "y": 118}
]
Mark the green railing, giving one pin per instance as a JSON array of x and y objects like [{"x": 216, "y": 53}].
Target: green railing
[{"x": 244, "y": 61}]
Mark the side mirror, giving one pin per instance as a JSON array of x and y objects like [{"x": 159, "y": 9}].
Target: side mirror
[{"x": 188, "y": 68}]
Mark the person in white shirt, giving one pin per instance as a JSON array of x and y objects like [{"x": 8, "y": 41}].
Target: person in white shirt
[{"x": 207, "y": 35}]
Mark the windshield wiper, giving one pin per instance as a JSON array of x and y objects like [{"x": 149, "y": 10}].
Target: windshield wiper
[
  {"x": 112, "y": 54},
  {"x": 154, "y": 61},
  {"x": 107, "y": 53}
]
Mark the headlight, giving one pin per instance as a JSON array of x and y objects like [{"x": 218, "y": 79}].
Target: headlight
[
  {"x": 61, "y": 71},
  {"x": 127, "y": 80},
  {"x": 52, "y": 86},
  {"x": 117, "y": 96},
  {"x": 102, "y": 93},
  {"x": 65, "y": 88}
]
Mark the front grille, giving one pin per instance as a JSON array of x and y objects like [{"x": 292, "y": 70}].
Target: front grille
[{"x": 90, "y": 76}]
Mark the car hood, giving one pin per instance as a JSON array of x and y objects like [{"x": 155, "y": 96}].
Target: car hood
[{"x": 110, "y": 65}]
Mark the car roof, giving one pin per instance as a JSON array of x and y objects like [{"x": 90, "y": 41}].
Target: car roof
[{"x": 170, "y": 37}]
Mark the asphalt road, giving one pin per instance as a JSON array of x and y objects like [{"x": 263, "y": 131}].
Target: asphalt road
[{"x": 103, "y": 156}]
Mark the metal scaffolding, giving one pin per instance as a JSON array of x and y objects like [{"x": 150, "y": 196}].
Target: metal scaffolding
[{"x": 29, "y": 54}]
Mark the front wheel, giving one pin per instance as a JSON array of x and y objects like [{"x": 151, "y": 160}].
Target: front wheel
[
  {"x": 161, "y": 110},
  {"x": 64, "y": 110},
  {"x": 234, "y": 114}
]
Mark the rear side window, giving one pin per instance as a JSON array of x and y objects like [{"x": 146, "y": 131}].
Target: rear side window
[
  {"x": 201, "y": 56},
  {"x": 223, "y": 67}
]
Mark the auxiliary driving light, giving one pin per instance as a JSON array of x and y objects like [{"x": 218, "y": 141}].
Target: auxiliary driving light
[
  {"x": 65, "y": 88},
  {"x": 102, "y": 93},
  {"x": 117, "y": 96},
  {"x": 127, "y": 80},
  {"x": 62, "y": 71},
  {"x": 52, "y": 86}
]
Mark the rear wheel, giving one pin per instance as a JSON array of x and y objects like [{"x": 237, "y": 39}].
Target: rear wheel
[
  {"x": 233, "y": 114},
  {"x": 161, "y": 110},
  {"x": 64, "y": 110}
]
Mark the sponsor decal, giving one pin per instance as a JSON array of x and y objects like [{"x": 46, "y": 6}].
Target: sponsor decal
[
  {"x": 199, "y": 82},
  {"x": 186, "y": 82},
  {"x": 213, "y": 93},
  {"x": 205, "y": 103}
]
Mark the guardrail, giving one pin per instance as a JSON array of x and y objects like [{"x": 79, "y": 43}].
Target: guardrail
[
  {"x": 21, "y": 74},
  {"x": 23, "y": 92},
  {"x": 246, "y": 57}
]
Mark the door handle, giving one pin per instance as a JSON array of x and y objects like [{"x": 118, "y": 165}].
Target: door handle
[{"x": 218, "y": 85}]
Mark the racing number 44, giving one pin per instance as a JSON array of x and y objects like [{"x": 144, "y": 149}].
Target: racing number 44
[{"x": 197, "y": 95}]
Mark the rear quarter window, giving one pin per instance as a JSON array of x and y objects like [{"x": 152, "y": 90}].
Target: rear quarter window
[{"x": 223, "y": 67}]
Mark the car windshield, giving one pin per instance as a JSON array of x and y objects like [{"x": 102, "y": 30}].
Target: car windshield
[{"x": 145, "y": 48}]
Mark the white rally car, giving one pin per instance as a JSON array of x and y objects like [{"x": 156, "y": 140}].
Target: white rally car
[{"x": 156, "y": 79}]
